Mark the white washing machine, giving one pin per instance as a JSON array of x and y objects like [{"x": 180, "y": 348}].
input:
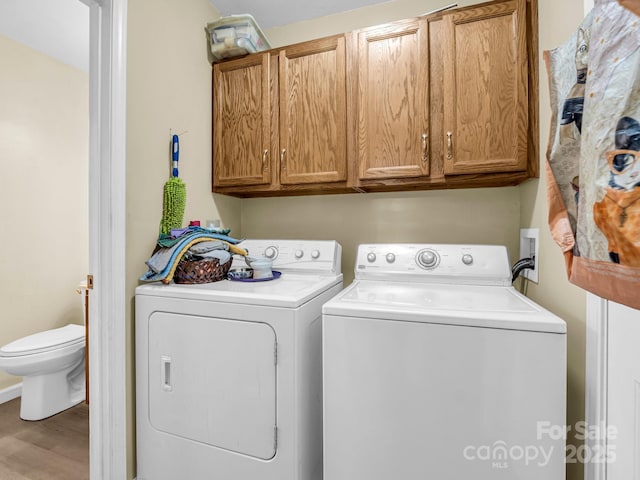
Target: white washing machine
[
  {"x": 435, "y": 367},
  {"x": 229, "y": 374}
]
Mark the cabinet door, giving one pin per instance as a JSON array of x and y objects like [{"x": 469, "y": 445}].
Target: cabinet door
[
  {"x": 393, "y": 111},
  {"x": 485, "y": 89},
  {"x": 313, "y": 112},
  {"x": 241, "y": 122}
]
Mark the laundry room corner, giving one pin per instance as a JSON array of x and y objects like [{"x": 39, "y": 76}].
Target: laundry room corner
[
  {"x": 168, "y": 92},
  {"x": 557, "y": 21}
]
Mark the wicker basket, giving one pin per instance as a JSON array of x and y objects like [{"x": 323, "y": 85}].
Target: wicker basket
[{"x": 206, "y": 270}]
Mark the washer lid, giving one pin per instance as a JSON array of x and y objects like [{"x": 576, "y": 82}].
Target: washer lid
[
  {"x": 44, "y": 341},
  {"x": 468, "y": 305}
]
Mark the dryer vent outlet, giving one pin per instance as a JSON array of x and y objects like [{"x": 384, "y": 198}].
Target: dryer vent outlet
[{"x": 529, "y": 244}]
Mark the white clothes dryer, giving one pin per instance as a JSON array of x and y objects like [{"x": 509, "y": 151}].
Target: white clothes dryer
[
  {"x": 229, "y": 374},
  {"x": 435, "y": 367}
]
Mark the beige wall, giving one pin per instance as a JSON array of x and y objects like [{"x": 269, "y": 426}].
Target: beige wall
[
  {"x": 44, "y": 132},
  {"x": 168, "y": 88},
  {"x": 558, "y": 21},
  {"x": 445, "y": 216}
]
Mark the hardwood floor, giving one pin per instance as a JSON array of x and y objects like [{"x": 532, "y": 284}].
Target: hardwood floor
[{"x": 56, "y": 448}]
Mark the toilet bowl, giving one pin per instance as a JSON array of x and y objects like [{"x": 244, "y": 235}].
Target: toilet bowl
[{"x": 52, "y": 366}]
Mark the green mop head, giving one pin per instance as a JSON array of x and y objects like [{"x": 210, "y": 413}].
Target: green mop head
[{"x": 175, "y": 200}]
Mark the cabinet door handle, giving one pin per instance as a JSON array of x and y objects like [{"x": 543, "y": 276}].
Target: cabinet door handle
[
  {"x": 449, "y": 145},
  {"x": 283, "y": 154},
  {"x": 265, "y": 154},
  {"x": 425, "y": 153}
]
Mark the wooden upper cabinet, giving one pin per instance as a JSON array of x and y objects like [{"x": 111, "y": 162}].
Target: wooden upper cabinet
[
  {"x": 447, "y": 100},
  {"x": 485, "y": 89},
  {"x": 242, "y": 122},
  {"x": 313, "y": 112},
  {"x": 393, "y": 105}
]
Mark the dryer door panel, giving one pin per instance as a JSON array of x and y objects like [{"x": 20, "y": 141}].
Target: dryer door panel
[{"x": 213, "y": 381}]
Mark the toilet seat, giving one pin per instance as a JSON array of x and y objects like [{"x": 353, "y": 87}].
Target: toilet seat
[{"x": 45, "y": 341}]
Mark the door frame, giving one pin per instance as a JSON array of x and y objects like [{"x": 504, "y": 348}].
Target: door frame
[
  {"x": 596, "y": 368},
  {"x": 107, "y": 239}
]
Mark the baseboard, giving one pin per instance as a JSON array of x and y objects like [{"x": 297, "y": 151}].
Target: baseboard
[{"x": 9, "y": 393}]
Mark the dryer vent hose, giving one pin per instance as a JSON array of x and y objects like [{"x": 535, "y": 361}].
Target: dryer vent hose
[{"x": 522, "y": 264}]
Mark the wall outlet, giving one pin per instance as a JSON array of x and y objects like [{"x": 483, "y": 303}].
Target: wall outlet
[{"x": 529, "y": 244}]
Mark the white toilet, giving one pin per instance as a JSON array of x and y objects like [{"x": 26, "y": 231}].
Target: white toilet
[{"x": 52, "y": 366}]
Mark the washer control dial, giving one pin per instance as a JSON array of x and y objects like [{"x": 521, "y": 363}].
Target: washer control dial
[
  {"x": 271, "y": 252},
  {"x": 391, "y": 258},
  {"x": 428, "y": 258},
  {"x": 315, "y": 254},
  {"x": 467, "y": 259},
  {"x": 299, "y": 254},
  {"x": 371, "y": 257}
]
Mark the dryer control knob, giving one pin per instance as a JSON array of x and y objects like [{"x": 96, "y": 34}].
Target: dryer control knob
[
  {"x": 467, "y": 259},
  {"x": 428, "y": 259},
  {"x": 391, "y": 258},
  {"x": 271, "y": 252},
  {"x": 371, "y": 257},
  {"x": 299, "y": 253},
  {"x": 315, "y": 254}
]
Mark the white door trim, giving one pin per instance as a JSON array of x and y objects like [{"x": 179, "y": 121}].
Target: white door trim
[
  {"x": 107, "y": 239},
  {"x": 596, "y": 382},
  {"x": 596, "y": 370}
]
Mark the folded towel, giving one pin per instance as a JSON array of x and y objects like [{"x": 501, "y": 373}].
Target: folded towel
[
  {"x": 161, "y": 259},
  {"x": 168, "y": 241},
  {"x": 205, "y": 247},
  {"x": 217, "y": 249},
  {"x": 222, "y": 255},
  {"x": 163, "y": 263}
]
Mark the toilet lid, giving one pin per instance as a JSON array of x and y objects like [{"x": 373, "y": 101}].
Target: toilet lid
[{"x": 45, "y": 341}]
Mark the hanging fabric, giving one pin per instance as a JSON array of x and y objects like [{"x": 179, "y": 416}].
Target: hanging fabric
[{"x": 593, "y": 156}]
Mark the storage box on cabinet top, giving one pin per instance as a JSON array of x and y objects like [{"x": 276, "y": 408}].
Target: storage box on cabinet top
[{"x": 234, "y": 36}]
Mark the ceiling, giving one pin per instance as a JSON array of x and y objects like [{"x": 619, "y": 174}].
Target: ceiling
[
  {"x": 282, "y": 12},
  {"x": 58, "y": 28}
]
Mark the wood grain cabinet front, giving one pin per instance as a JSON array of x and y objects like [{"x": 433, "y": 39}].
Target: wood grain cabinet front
[
  {"x": 242, "y": 122},
  {"x": 485, "y": 89},
  {"x": 279, "y": 120},
  {"x": 393, "y": 108},
  {"x": 447, "y": 100},
  {"x": 313, "y": 112}
]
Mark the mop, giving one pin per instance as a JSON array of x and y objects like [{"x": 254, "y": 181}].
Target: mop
[{"x": 175, "y": 195}]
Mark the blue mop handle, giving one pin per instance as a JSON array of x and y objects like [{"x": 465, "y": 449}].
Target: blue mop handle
[{"x": 175, "y": 152}]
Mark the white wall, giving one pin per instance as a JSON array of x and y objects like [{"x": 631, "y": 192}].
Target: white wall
[{"x": 44, "y": 132}]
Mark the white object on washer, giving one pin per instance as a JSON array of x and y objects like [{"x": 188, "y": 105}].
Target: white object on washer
[
  {"x": 229, "y": 374},
  {"x": 434, "y": 366}
]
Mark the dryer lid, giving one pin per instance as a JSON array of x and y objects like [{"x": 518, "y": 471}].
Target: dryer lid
[
  {"x": 45, "y": 341},
  {"x": 290, "y": 290}
]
